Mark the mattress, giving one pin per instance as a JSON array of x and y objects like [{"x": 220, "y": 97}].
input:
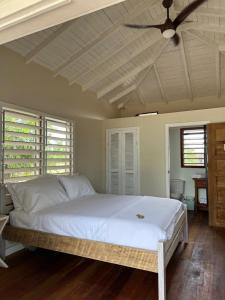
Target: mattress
[{"x": 134, "y": 221}]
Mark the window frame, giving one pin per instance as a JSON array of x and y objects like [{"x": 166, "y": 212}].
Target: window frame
[
  {"x": 182, "y": 147},
  {"x": 42, "y": 139}
]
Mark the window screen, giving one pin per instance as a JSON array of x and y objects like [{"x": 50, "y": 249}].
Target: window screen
[
  {"x": 193, "y": 147},
  {"x": 59, "y": 147},
  {"x": 22, "y": 145},
  {"x": 34, "y": 145}
]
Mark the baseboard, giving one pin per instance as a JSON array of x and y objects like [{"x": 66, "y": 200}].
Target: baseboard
[{"x": 14, "y": 248}]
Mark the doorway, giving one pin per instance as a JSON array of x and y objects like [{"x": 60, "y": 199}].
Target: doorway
[{"x": 186, "y": 162}]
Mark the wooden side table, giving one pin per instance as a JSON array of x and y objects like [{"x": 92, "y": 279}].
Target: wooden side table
[
  {"x": 3, "y": 221},
  {"x": 201, "y": 184}
]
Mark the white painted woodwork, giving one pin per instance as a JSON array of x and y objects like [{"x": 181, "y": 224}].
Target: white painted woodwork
[
  {"x": 134, "y": 72},
  {"x": 124, "y": 19},
  {"x": 151, "y": 42},
  {"x": 51, "y": 13},
  {"x": 202, "y": 39},
  {"x": 98, "y": 53},
  {"x": 139, "y": 96},
  {"x": 121, "y": 94},
  {"x": 122, "y": 171},
  {"x": 205, "y": 12},
  {"x": 163, "y": 93},
  {"x": 13, "y": 12},
  {"x": 161, "y": 271},
  {"x": 218, "y": 73},
  {"x": 187, "y": 75},
  {"x": 32, "y": 54},
  {"x": 3, "y": 221}
]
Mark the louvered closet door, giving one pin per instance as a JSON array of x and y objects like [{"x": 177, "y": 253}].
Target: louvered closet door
[
  {"x": 114, "y": 170},
  {"x": 122, "y": 157},
  {"x": 129, "y": 170}
]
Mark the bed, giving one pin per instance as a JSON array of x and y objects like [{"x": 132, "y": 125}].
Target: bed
[{"x": 133, "y": 231}]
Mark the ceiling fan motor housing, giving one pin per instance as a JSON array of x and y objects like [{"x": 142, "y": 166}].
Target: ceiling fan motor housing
[
  {"x": 168, "y": 30},
  {"x": 167, "y": 3}
]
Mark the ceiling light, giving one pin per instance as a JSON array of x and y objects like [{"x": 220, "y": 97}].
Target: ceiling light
[
  {"x": 168, "y": 33},
  {"x": 154, "y": 113}
]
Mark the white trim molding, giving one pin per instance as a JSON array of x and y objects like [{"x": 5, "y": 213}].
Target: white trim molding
[
  {"x": 13, "y": 13},
  {"x": 167, "y": 147}
]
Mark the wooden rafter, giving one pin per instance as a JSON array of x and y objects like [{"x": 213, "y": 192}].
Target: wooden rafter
[
  {"x": 151, "y": 42},
  {"x": 206, "y": 27},
  {"x": 34, "y": 53},
  {"x": 184, "y": 59},
  {"x": 139, "y": 96},
  {"x": 203, "y": 11},
  {"x": 122, "y": 94},
  {"x": 202, "y": 39},
  {"x": 134, "y": 72},
  {"x": 122, "y": 104},
  {"x": 165, "y": 99},
  {"x": 218, "y": 73},
  {"x": 100, "y": 64},
  {"x": 137, "y": 11}
]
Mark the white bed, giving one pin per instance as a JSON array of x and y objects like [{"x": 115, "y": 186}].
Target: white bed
[
  {"x": 64, "y": 213},
  {"x": 107, "y": 218}
]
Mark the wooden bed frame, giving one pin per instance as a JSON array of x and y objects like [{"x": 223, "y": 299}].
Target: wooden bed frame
[{"x": 153, "y": 261}]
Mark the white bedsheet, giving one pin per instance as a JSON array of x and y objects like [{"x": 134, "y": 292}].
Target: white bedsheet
[{"x": 107, "y": 218}]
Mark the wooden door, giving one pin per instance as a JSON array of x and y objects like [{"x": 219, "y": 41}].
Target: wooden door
[{"x": 216, "y": 174}]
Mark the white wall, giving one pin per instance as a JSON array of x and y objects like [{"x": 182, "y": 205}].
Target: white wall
[
  {"x": 153, "y": 145},
  {"x": 89, "y": 150},
  {"x": 33, "y": 86},
  {"x": 176, "y": 172}
]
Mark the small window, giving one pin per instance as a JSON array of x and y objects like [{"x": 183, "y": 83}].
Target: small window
[
  {"x": 193, "y": 147},
  {"x": 59, "y": 147},
  {"x": 34, "y": 145},
  {"x": 22, "y": 146}
]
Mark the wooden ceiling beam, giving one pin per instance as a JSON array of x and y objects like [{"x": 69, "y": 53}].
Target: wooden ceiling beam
[
  {"x": 134, "y": 72},
  {"x": 202, "y": 39},
  {"x": 151, "y": 42},
  {"x": 34, "y": 53},
  {"x": 137, "y": 11},
  {"x": 205, "y": 27},
  {"x": 203, "y": 11},
  {"x": 122, "y": 94},
  {"x": 184, "y": 59},
  {"x": 100, "y": 64},
  {"x": 122, "y": 104},
  {"x": 218, "y": 73},
  {"x": 164, "y": 97},
  {"x": 139, "y": 96}
]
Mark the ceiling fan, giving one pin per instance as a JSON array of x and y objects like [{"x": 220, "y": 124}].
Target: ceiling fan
[{"x": 168, "y": 29}]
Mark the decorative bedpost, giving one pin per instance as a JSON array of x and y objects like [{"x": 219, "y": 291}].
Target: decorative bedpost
[
  {"x": 185, "y": 234},
  {"x": 161, "y": 271}
]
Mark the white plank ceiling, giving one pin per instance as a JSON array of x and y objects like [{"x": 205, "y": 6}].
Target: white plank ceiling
[{"x": 123, "y": 66}]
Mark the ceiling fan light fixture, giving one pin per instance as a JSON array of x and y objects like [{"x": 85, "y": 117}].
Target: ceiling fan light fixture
[{"x": 169, "y": 33}]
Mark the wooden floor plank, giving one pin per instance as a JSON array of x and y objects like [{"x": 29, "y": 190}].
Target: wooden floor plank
[{"x": 195, "y": 272}]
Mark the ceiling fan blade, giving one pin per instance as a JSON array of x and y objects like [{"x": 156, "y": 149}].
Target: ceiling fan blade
[
  {"x": 187, "y": 11},
  {"x": 176, "y": 39},
  {"x": 143, "y": 26}
]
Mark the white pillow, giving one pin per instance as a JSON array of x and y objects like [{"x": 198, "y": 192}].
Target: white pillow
[
  {"x": 37, "y": 194},
  {"x": 76, "y": 186},
  {"x": 11, "y": 189}
]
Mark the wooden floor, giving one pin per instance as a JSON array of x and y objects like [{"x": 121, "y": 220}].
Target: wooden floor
[{"x": 194, "y": 273}]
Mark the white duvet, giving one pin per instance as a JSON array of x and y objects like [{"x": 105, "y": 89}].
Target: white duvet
[{"x": 107, "y": 218}]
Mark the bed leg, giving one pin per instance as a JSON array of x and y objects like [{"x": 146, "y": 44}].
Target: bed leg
[
  {"x": 161, "y": 271},
  {"x": 185, "y": 234}
]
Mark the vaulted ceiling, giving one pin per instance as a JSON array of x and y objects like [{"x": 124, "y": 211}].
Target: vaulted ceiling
[{"x": 124, "y": 66}]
